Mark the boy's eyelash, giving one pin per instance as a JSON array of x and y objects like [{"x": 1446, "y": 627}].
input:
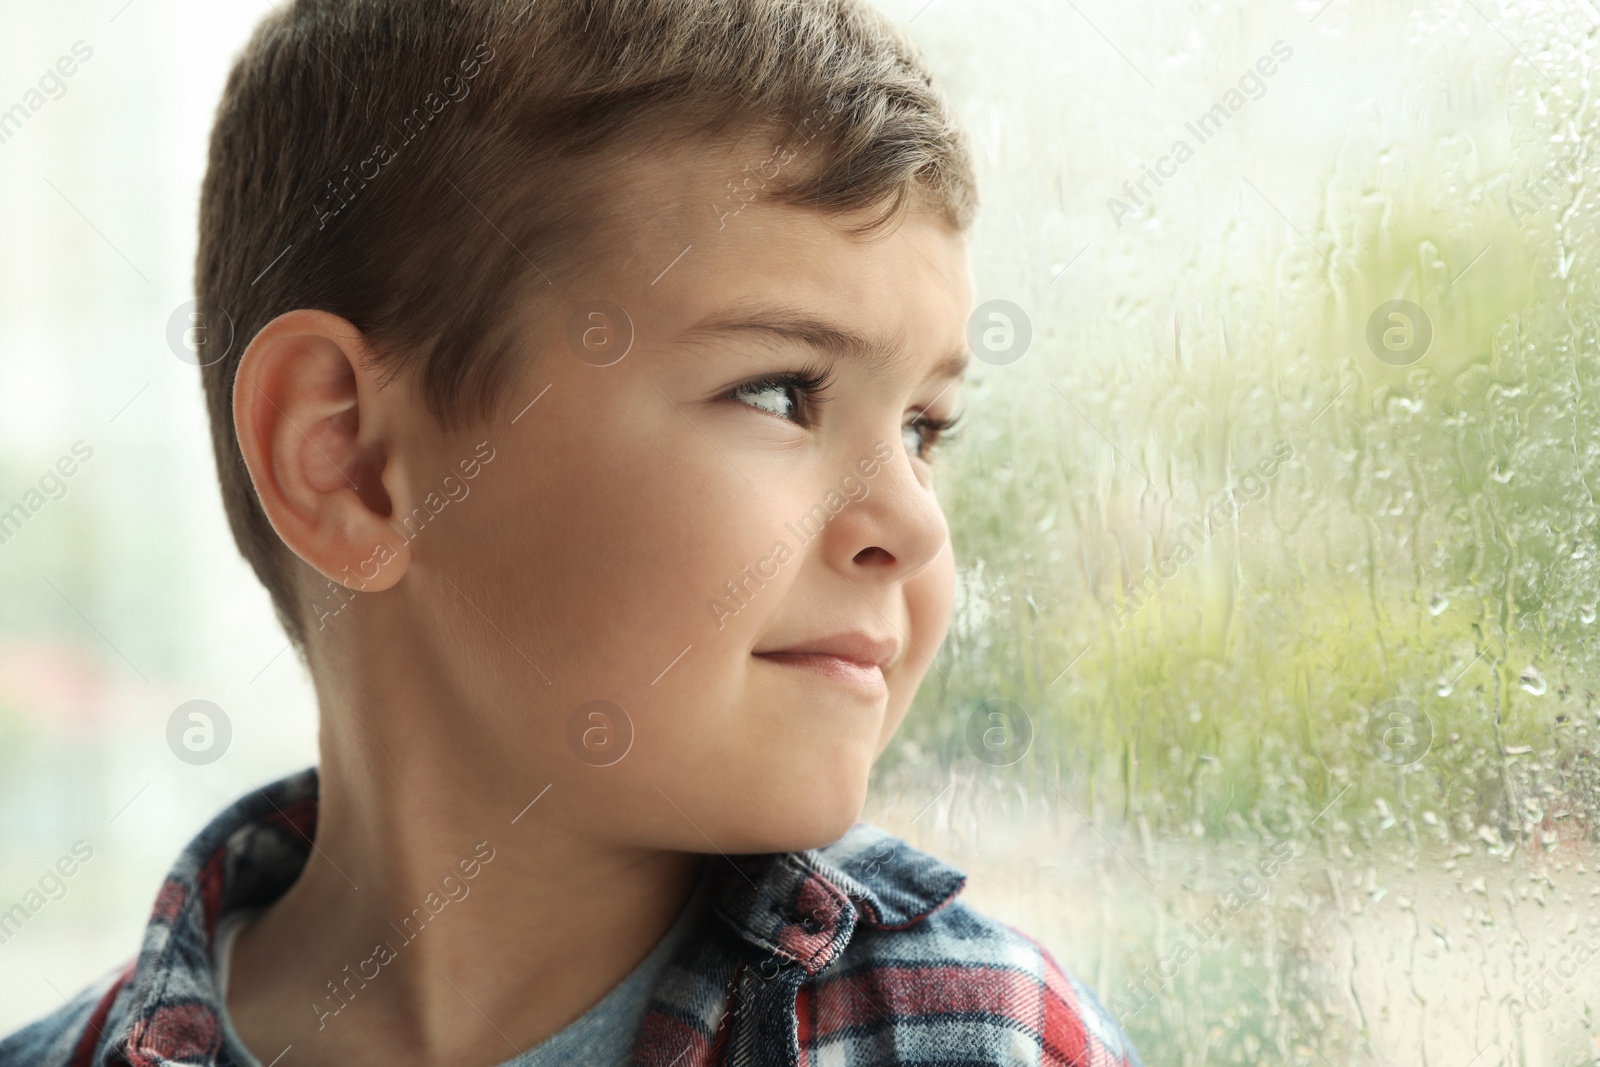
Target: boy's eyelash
[{"x": 808, "y": 380}]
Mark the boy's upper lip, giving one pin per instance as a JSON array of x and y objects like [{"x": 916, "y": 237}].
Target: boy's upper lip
[{"x": 856, "y": 645}]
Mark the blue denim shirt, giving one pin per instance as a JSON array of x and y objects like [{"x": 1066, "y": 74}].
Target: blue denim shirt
[{"x": 856, "y": 954}]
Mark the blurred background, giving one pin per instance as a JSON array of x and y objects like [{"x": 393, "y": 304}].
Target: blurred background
[{"x": 1270, "y": 705}]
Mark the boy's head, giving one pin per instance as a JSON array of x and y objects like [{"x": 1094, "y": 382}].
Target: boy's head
[{"x": 555, "y": 391}]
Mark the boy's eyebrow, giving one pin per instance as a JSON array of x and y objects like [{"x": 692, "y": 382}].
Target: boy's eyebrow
[{"x": 876, "y": 354}]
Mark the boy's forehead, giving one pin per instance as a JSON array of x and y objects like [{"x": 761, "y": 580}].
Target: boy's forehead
[{"x": 690, "y": 249}]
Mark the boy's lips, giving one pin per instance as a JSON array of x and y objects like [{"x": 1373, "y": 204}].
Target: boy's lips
[{"x": 856, "y": 658}]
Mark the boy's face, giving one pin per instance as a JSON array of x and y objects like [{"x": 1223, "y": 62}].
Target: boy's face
[{"x": 593, "y": 558}]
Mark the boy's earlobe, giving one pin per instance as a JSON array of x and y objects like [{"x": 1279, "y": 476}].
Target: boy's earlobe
[{"x": 317, "y": 441}]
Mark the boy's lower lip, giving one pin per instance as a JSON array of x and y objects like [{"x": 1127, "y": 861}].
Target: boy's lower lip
[{"x": 867, "y": 676}]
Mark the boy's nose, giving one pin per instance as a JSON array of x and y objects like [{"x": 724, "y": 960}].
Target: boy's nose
[{"x": 898, "y": 524}]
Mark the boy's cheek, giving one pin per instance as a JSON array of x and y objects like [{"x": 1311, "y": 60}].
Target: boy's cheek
[{"x": 930, "y": 603}]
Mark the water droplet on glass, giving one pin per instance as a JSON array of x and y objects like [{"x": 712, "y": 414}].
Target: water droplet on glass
[
  {"x": 1444, "y": 686},
  {"x": 1438, "y": 604},
  {"x": 1586, "y": 613},
  {"x": 1533, "y": 681}
]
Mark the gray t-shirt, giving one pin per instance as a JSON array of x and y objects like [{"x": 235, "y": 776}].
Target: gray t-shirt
[{"x": 603, "y": 1036}]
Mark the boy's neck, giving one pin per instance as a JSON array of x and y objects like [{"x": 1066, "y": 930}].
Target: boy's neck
[{"x": 384, "y": 950}]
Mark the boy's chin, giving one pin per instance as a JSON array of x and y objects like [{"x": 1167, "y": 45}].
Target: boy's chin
[{"x": 819, "y": 819}]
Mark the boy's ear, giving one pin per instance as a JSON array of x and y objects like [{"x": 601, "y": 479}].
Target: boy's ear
[{"x": 319, "y": 445}]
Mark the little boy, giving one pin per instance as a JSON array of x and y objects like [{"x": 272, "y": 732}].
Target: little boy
[{"x": 598, "y": 354}]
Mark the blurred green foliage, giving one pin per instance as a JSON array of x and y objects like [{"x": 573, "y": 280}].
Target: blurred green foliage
[{"x": 1433, "y": 539}]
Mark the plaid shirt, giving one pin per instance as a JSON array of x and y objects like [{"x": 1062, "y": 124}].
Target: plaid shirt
[{"x": 850, "y": 955}]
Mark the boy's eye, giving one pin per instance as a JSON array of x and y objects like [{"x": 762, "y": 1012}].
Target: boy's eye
[
  {"x": 780, "y": 400},
  {"x": 791, "y": 395},
  {"x": 925, "y": 433}
]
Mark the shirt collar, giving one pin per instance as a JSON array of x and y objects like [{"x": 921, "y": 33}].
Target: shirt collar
[
  {"x": 803, "y": 907},
  {"x": 246, "y": 857},
  {"x": 793, "y": 907}
]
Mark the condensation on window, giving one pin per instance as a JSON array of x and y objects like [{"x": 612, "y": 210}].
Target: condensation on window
[{"x": 1270, "y": 701}]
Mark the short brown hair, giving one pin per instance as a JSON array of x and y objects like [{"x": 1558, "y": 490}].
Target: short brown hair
[{"x": 366, "y": 151}]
